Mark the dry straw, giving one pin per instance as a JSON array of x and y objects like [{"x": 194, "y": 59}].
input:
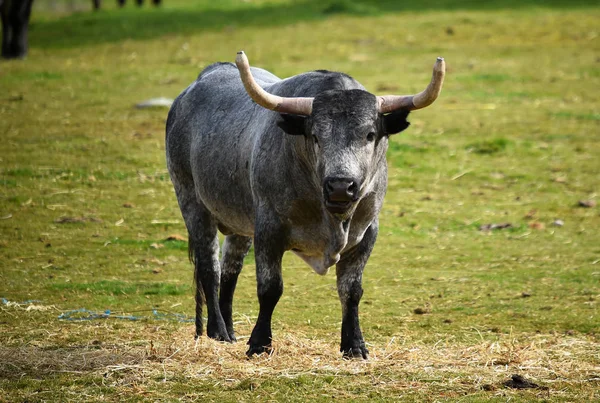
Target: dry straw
[{"x": 555, "y": 361}]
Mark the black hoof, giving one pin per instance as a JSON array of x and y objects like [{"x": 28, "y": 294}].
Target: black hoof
[
  {"x": 258, "y": 350},
  {"x": 359, "y": 352},
  {"x": 217, "y": 331},
  {"x": 219, "y": 335}
]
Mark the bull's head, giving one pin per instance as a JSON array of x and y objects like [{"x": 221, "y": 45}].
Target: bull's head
[{"x": 349, "y": 130}]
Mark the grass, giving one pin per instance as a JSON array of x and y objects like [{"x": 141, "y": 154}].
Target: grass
[{"x": 450, "y": 312}]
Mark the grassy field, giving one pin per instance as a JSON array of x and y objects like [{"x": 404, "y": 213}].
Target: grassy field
[{"x": 450, "y": 311}]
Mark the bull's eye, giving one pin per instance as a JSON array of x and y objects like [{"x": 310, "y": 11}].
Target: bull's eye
[{"x": 370, "y": 136}]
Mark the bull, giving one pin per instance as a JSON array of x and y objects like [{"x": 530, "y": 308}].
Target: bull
[
  {"x": 292, "y": 165},
  {"x": 14, "y": 15}
]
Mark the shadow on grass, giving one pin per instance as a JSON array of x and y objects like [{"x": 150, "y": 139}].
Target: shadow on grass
[{"x": 88, "y": 28}]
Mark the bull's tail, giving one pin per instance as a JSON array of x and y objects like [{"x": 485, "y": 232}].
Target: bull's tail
[
  {"x": 199, "y": 290},
  {"x": 191, "y": 248}
]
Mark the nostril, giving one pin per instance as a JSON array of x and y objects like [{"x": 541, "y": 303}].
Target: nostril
[
  {"x": 352, "y": 188},
  {"x": 329, "y": 187}
]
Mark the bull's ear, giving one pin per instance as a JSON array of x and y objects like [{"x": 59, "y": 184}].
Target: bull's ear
[
  {"x": 293, "y": 124},
  {"x": 395, "y": 122}
]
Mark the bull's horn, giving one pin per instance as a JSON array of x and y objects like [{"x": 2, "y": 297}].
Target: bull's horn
[
  {"x": 390, "y": 103},
  {"x": 297, "y": 106}
]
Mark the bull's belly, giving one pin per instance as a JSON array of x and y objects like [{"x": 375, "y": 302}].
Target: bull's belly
[
  {"x": 231, "y": 208},
  {"x": 234, "y": 221}
]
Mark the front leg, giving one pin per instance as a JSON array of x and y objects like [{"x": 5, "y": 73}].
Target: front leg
[
  {"x": 349, "y": 272},
  {"x": 269, "y": 246}
]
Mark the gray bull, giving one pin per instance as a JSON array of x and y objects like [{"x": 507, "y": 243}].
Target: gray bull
[{"x": 301, "y": 168}]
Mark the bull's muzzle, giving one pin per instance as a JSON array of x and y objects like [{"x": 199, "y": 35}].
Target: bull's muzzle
[{"x": 340, "y": 194}]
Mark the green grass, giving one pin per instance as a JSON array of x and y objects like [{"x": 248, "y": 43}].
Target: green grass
[{"x": 86, "y": 205}]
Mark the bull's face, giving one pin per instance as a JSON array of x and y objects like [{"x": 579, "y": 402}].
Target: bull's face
[{"x": 347, "y": 138}]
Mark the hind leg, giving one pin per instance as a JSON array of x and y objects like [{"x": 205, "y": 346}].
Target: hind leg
[
  {"x": 204, "y": 251},
  {"x": 235, "y": 248}
]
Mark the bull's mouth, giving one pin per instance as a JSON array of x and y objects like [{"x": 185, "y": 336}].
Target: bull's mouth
[{"x": 338, "y": 207}]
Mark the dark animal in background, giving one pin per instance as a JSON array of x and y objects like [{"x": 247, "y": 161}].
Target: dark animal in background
[
  {"x": 121, "y": 3},
  {"x": 15, "y": 25},
  {"x": 301, "y": 168}
]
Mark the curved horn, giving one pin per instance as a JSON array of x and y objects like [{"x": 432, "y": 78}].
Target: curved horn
[
  {"x": 390, "y": 103},
  {"x": 297, "y": 106}
]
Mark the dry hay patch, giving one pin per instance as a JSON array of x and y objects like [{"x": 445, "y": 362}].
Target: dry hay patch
[
  {"x": 456, "y": 367},
  {"x": 556, "y": 362}
]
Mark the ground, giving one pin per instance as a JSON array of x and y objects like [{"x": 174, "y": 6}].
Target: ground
[{"x": 456, "y": 300}]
